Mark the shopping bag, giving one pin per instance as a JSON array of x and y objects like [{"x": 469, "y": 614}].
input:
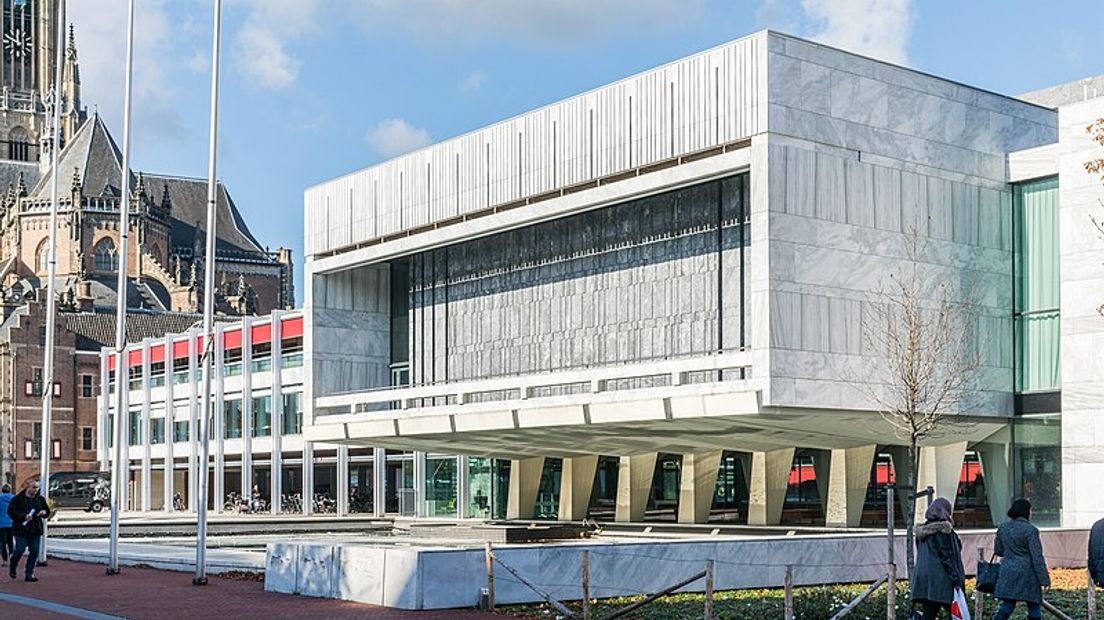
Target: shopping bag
[
  {"x": 960, "y": 609},
  {"x": 987, "y": 573}
]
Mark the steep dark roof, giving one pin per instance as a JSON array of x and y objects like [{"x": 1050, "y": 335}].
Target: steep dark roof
[
  {"x": 10, "y": 171},
  {"x": 93, "y": 154},
  {"x": 95, "y": 330},
  {"x": 189, "y": 207}
]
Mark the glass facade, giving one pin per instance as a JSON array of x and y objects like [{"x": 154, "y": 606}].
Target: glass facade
[
  {"x": 442, "y": 481},
  {"x": 1037, "y": 464},
  {"x": 292, "y": 415},
  {"x": 232, "y": 419},
  {"x": 1037, "y": 279},
  {"x": 262, "y": 416}
]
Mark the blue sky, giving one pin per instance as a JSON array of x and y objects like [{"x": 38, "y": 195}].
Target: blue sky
[{"x": 316, "y": 88}]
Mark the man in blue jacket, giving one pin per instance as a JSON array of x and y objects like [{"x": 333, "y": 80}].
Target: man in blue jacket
[
  {"x": 1096, "y": 553},
  {"x": 6, "y": 542}
]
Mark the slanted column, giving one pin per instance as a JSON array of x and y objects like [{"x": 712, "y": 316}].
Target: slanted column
[
  {"x": 634, "y": 486},
  {"x": 379, "y": 487},
  {"x": 525, "y": 475},
  {"x": 342, "y": 481},
  {"x": 576, "y": 484},
  {"x": 940, "y": 468},
  {"x": 770, "y": 474},
  {"x": 843, "y": 476},
  {"x": 697, "y": 486},
  {"x": 996, "y": 471}
]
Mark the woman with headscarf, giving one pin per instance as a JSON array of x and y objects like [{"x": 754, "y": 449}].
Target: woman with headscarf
[
  {"x": 1023, "y": 571},
  {"x": 939, "y": 568}
]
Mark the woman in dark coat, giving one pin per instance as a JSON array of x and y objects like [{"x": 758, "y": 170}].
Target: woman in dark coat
[
  {"x": 938, "y": 561},
  {"x": 1023, "y": 571}
]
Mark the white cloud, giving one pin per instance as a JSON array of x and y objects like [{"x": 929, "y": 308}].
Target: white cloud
[
  {"x": 394, "y": 137},
  {"x": 101, "y": 44},
  {"x": 474, "y": 81},
  {"x": 877, "y": 28},
  {"x": 262, "y": 43}
]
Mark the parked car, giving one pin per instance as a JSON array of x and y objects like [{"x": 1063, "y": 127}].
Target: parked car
[{"x": 87, "y": 490}]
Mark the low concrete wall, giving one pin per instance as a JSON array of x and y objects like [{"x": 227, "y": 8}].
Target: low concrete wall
[{"x": 443, "y": 578}]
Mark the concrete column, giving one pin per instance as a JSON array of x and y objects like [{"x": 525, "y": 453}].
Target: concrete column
[
  {"x": 576, "y": 484},
  {"x": 247, "y": 409},
  {"x": 276, "y": 486},
  {"x": 770, "y": 474},
  {"x": 900, "y": 456},
  {"x": 697, "y": 486},
  {"x": 419, "y": 484},
  {"x": 941, "y": 468},
  {"x": 218, "y": 408},
  {"x": 146, "y": 434},
  {"x": 379, "y": 485},
  {"x": 525, "y": 475},
  {"x": 843, "y": 476},
  {"x": 463, "y": 485},
  {"x": 193, "y": 420},
  {"x": 308, "y": 477},
  {"x": 170, "y": 427},
  {"x": 995, "y": 466},
  {"x": 342, "y": 481},
  {"x": 634, "y": 486}
]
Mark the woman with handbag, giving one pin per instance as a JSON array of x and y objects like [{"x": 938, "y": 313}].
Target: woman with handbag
[
  {"x": 1023, "y": 571},
  {"x": 939, "y": 568}
]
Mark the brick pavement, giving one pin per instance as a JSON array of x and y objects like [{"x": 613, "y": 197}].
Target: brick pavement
[{"x": 141, "y": 593}]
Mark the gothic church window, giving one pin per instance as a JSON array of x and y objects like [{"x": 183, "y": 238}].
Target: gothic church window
[
  {"x": 42, "y": 257},
  {"x": 107, "y": 259},
  {"x": 19, "y": 146}
]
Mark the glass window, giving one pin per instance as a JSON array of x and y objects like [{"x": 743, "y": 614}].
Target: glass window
[
  {"x": 1037, "y": 280},
  {"x": 135, "y": 377},
  {"x": 135, "y": 428},
  {"x": 262, "y": 416},
  {"x": 157, "y": 374},
  {"x": 292, "y": 352},
  {"x": 88, "y": 438},
  {"x": 232, "y": 419},
  {"x": 106, "y": 258},
  {"x": 1037, "y": 459},
  {"x": 232, "y": 362},
  {"x": 181, "y": 376},
  {"x": 442, "y": 480},
  {"x": 86, "y": 387},
  {"x": 157, "y": 430},
  {"x": 262, "y": 357},
  {"x": 180, "y": 430},
  {"x": 292, "y": 416}
]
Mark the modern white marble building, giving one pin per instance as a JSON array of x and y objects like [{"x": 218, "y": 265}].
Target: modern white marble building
[{"x": 646, "y": 301}]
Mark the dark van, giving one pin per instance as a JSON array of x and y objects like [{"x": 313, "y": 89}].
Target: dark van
[{"x": 87, "y": 490}]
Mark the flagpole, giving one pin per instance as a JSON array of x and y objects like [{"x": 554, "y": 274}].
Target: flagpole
[
  {"x": 51, "y": 285},
  {"x": 122, "y": 378},
  {"x": 200, "y": 577}
]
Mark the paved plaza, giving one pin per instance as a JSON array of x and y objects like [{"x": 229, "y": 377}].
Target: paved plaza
[{"x": 79, "y": 590}]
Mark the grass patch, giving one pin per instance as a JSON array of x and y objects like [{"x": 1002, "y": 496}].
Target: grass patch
[{"x": 811, "y": 603}]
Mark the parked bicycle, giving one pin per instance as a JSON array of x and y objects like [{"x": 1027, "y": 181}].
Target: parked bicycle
[{"x": 179, "y": 504}]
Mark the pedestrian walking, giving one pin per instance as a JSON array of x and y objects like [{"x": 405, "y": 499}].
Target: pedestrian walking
[
  {"x": 28, "y": 511},
  {"x": 939, "y": 570},
  {"x": 6, "y": 542},
  {"x": 1096, "y": 553},
  {"x": 1023, "y": 570}
]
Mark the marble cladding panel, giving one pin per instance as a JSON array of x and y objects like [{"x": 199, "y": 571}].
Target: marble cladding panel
[
  {"x": 842, "y": 230},
  {"x": 1082, "y": 329},
  {"x": 349, "y": 346},
  {"x": 654, "y": 277}
]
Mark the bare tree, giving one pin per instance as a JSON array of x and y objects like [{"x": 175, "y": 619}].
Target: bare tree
[{"x": 920, "y": 336}]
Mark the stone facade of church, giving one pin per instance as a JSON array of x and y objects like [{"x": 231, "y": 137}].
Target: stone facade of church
[{"x": 165, "y": 261}]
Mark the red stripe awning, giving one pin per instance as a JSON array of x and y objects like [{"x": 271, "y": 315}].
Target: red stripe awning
[
  {"x": 232, "y": 339},
  {"x": 157, "y": 353},
  {"x": 180, "y": 349},
  {"x": 134, "y": 358},
  {"x": 292, "y": 328},
  {"x": 262, "y": 333},
  {"x": 110, "y": 361}
]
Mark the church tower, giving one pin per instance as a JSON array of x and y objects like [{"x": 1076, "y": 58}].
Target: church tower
[{"x": 29, "y": 44}]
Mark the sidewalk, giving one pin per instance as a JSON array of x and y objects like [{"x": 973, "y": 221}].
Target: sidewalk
[{"x": 143, "y": 593}]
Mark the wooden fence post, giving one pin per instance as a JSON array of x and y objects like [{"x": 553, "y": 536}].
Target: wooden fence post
[
  {"x": 586, "y": 584},
  {"x": 891, "y": 592},
  {"x": 789, "y": 592},
  {"x": 490, "y": 575},
  {"x": 979, "y": 596},
  {"x": 709, "y": 590},
  {"x": 1092, "y": 598}
]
